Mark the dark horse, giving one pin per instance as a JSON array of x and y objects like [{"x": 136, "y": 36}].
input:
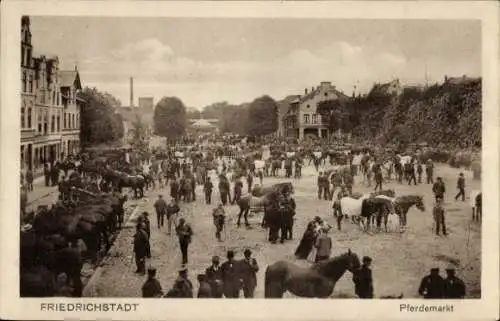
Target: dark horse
[
  {"x": 249, "y": 201},
  {"x": 280, "y": 188},
  {"x": 316, "y": 281},
  {"x": 403, "y": 204}
]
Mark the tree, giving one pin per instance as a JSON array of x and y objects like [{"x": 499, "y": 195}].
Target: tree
[
  {"x": 170, "y": 119},
  {"x": 336, "y": 114},
  {"x": 138, "y": 136},
  {"x": 262, "y": 117},
  {"x": 99, "y": 121}
]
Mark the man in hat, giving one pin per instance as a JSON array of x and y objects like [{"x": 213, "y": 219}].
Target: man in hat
[
  {"x": 219, "y": 219},
  {"x": 204, "y": 290},
  {"x": 141, "y": 245},
  {"x": 172, "y": 210},
  {"x": 363, "y": 281},
  {"x": 231, "y": 277},
  {"x": 439, "y": 188},
  {"x": 432, "y": 285},
  {"x": 438, "y": 215},
  {"x": 214, "y": 277},
  {"x": 429, "y": 171},
  {"x": 161, "y": 208},
  {"x": 187, "y": 286},
  {"x": 185, "y": 234},
  {"x": 454, "y": 288},
  {"x": 151, "y": 288},
  {"x": 323, "y": 245},
  {"x": 249, "y": 269},
  {"x": 208, "y": 188},
  {"x": 146, "y": 225},
  {"x": 320, "y": 184},
  {"x": 461, "y": 187}
]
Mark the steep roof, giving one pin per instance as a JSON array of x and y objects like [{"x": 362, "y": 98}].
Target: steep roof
[{"x": 69, "y": 77}]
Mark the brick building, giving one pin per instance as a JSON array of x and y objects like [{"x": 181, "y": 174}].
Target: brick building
[{"x": 50, "y": 107}]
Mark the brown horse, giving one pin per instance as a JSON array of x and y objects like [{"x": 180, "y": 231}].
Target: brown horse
[
  {"x": 280, "y": 188},
  {"x": 248, "y": 201},
  {"x": 316, "y": 281}
]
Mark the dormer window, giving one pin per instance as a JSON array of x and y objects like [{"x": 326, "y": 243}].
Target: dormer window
[
  {"x": 326, "y": 94},
  {"x": 308, "y": 106}
]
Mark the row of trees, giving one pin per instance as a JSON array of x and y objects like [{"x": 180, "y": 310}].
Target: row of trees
[
  {"x": 257, "y": 118},
  {"x": 99, "y": 121},
  {"x": 446, "y": 114}
]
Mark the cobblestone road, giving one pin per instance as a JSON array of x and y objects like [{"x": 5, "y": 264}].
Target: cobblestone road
[{"x": 399, "y": 260}]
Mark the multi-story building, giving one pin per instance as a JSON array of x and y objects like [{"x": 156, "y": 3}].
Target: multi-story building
[
  {"x": 50, "y": 108},
  {"x": 146, "y": 105},
  {"x": 302, "y": 118}
]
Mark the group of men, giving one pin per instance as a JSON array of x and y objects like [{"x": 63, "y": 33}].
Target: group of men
[{"x": 219, "y": 280}]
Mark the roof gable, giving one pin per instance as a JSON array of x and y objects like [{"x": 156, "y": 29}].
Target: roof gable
[{"x": 68, "y": 78}]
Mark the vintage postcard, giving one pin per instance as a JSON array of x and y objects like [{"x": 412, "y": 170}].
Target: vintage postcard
[{"x": 249, "y": 160}]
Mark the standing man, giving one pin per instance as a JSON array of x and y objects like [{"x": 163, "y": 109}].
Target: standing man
[
  {"x": 219, "y": 219},
  {"x": 320, "y": 184},
  {"x": 323, "y": 246},
  {"x": 419, "y": 172},
  {"x": 250, "y": 181},
  {"x": 140, "y": 249},
  {"x": 172, "y": 212},
  {"x": 378, "y": 179},
  {"x": 249, "y": 269},
  {"x": 363, "y": 280},
  {"x": 214, "y": 277},
  {"x": 151, "y": 288},
  {"x": 439, "y": 189},
  {"x": 429, "y": 172},
  {"x": 185, "y": 234},
  {"x": 208, "y": 187},
  {"x": 146, "y": 225},
  {"x": 224, "y": 190},
  {"x": 29, "y": 180},
  {"x": 174, "y": 188},
  {"x": 161, "y": 208},
  {"x": 46, "y": 174},
  {"x": 461, "y": 187},
  {"x": 454, "y": 288},
  {"x": 432, "y": 285},
  {"x": 438, "y": 215},
  {"x": 237, "y": 191},
  {"x": 231, "y": 277}
]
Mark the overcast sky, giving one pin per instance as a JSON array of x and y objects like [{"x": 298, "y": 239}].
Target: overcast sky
[{"x": 202, "y": 61}]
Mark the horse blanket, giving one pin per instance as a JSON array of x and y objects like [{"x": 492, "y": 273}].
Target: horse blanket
[
  {"x": 351, "y": 206},
  {"x": 259, "y": 164}
]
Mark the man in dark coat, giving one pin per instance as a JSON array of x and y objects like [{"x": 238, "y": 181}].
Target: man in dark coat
[
  {"x": 224, "y": 190},
  {"x": 29, "y": 180},
  {"x": 204, "y": 291},
  {"x": 219, "y": 220},
  {"x": 320, "y": 184},
  {"x": 429, "y": 172},
  {"x": 46, "y": 174},
  {"x": 439, "y": 189},
  {"x": 287, "y": 207},
  {"x": 378, "y": 179},
  {"x": 185, "y": 234},
  {"x": 214, "y": 277},
  {"x": 161, "y": 209},
  {"x": 250, "y": 181},
  {"x": 363, "y": 280},
  {"x": 248, "y": 270},
  {"x": 172, "y": 211},
  {"x": 174, "y": 189},
  {"x": 231, "y": 277},
  {"x": 454, "y": 288},
  {"x": 208, "y": 188},
  {"x": 237, "y": 191},
  {"x": 432, "y": 285},
  {"x": 147, "y": 228},
  {"x": 151, "y": 288},
  {"x": 141, "y": 245},
  {"x": 461, "y": 187},
  {"x": 438, "y": 215}
]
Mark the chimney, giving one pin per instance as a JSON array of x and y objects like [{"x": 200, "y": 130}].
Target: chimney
[
  {"x": 131, "y": 92},
  {"x": 305, "y": 91}
]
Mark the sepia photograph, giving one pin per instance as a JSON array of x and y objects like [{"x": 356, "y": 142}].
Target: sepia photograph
[{"x": 241, "y": 157}]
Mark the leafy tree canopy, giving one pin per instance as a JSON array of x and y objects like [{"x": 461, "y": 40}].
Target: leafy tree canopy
[
  {"x": 262, "y": 117},
  {"x": 170, "y": 118}
]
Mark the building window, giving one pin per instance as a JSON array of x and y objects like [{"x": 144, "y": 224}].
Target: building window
[
  {"x": 29, "y": 118},
  {"x": 24, "y": 82},
  {"x": 306, "y": 119},
  {"x": 30, "y": 86},
  {"x": 58, "y": 98},
  {"x": 28, "y": 58},
  {"x": 53, "y": 124},
  {"x": 23, "y": 124},
  {"x": 308, "y": 106},
  {"x": 22, "y": 56},
  {"x": 45, "y": 123},
  {"x": 58, "y": 123},
  {"x": 22, "y": 157},
  {"x": 314, "y": 119},
  {"x": 65, "y": 117},
  {"x": 77, "y": 121},
  {"x": 39, "y": 122},
  {"x": 326, "y": 94},
  {"x": 73, "y": 121}
]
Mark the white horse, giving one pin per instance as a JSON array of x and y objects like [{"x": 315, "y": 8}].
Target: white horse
[{"x": 351, "y": 207}]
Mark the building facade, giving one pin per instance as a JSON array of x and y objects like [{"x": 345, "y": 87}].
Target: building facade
[
  {"x": 50, "y": 107},
  {"x": 146, "y": 105},
  {"x": 302, "y": 119}
]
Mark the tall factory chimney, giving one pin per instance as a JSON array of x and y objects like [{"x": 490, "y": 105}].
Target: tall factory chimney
[{"x": 131, "y": 92}]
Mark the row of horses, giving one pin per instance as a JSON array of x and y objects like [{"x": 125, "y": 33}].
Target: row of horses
[{"x": 49, "y": 241}]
